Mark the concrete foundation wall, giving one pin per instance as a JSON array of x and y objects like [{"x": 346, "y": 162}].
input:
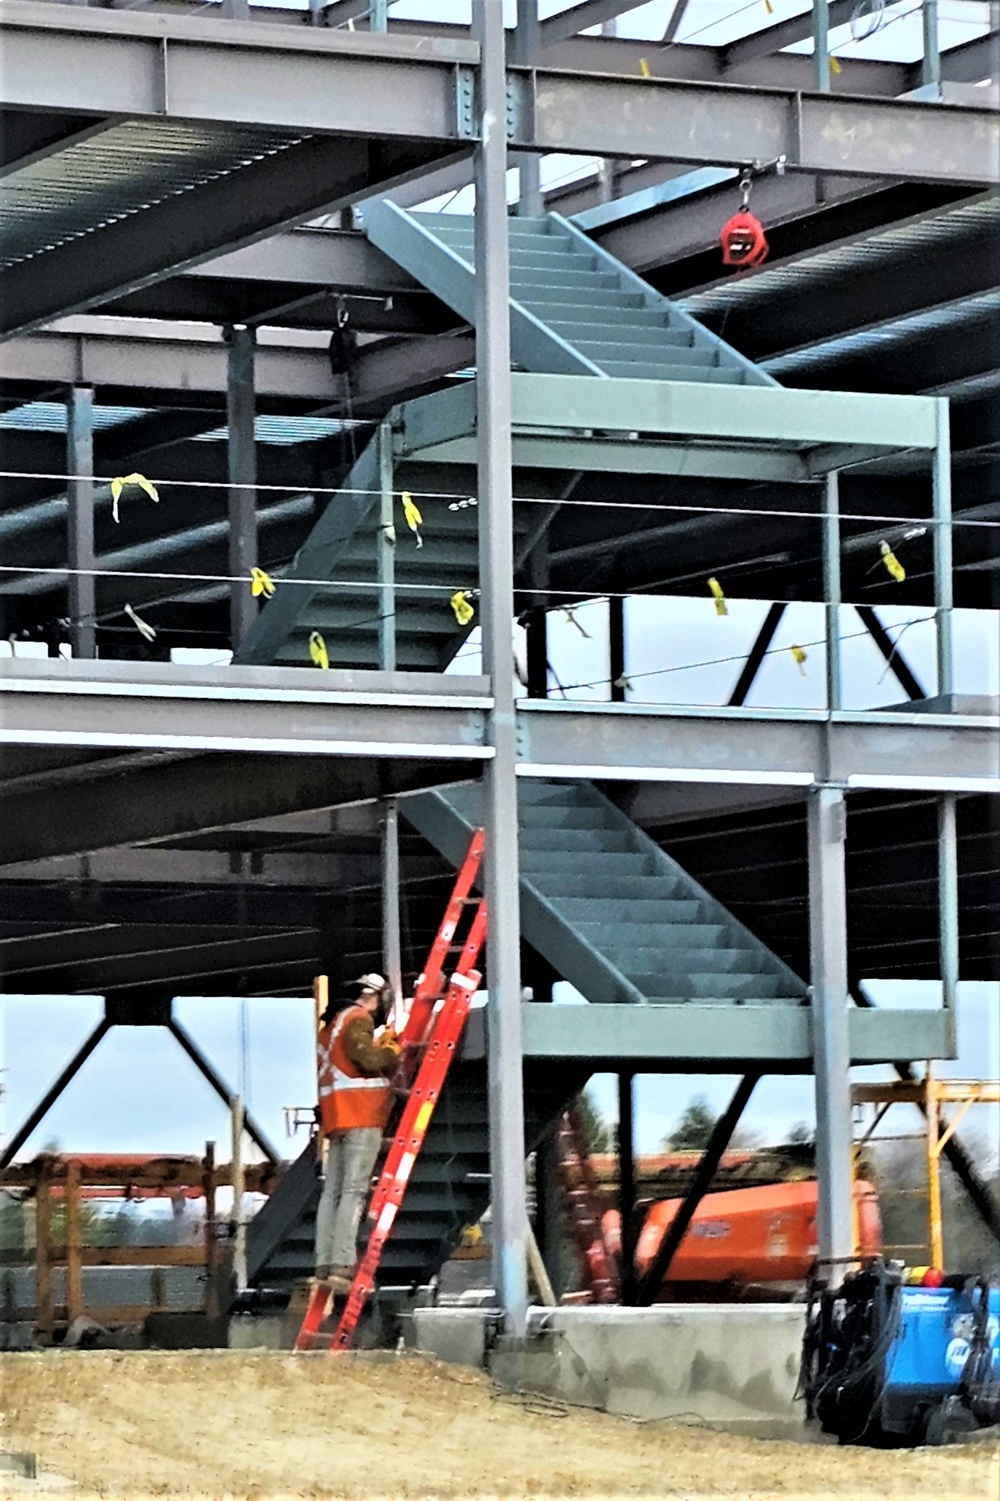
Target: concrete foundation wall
[{"x": 734, "y": 1366}]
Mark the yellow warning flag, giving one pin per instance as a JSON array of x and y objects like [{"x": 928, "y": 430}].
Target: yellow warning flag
[
  {"x": 118, "y": 485},
  {"x": 769, "y": 7},
  {"x": 464, "y": 611},
  {"x": 715, "y": 588},
  {"x": 800, "y": 657},
  {"x": 644, "y": 68},
  {"x": 318, "y": 651},
  {"x": 892, "y": 563},
  {"x": 414, "y": 520},
  {"x": 835, "y": 64},
  {"x": 261, "y": 583}
]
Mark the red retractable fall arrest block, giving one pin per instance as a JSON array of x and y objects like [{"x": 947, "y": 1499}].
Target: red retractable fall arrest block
[{"x": 743, "y": 240}]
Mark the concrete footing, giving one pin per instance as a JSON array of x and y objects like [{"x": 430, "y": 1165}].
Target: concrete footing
[{"x": 731, "y": 1366}]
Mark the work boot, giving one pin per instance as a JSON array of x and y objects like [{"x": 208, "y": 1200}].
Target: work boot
[{"x": 340, "y": 1280}]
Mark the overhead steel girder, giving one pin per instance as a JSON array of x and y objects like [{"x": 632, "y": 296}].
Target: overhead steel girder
[
  {"x": 288, "y": 711},
  {"x": 705, "y": 1038},
  {"x": 154, "y": 866},
  {"x": 121, "y": 357},
  {"x": 698, "y": 123},
  {"x": 61, "y": 58},
  {"x": 128, "y": 64},
  {"x": 780, "y": 748},
  {"x": 581, "y": 14}
]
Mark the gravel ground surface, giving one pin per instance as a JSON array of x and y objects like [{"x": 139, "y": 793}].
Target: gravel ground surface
[{"x": 377, "y": 1428}]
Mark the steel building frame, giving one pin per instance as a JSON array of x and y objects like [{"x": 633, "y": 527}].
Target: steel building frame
[{"x": 274, "y": 127}]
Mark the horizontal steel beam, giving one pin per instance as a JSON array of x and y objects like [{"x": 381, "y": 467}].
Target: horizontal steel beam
[
  {"x": 278, "y": 711},
  {"x": 697, "y": 123},
  {"x": 780, "y": 748},
  {"x": 360, "y": 716},
  {"x": 151, "y": 866},
  {"x": 706, "y": 1038},
  {"x": 128, "y": 64},
  {"x": 581, "y": 14},
  {"x": 90, "y": 351},
  {"x": 771, "y": 39}
]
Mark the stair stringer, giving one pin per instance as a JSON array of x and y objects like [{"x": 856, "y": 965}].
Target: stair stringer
[{"x": 414, "y": 247}]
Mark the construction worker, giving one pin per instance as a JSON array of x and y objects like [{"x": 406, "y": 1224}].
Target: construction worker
[{"x": 355, "y": 1096}]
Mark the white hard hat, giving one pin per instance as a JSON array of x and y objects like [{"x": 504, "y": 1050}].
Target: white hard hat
[{"x": 371, "y": 982}]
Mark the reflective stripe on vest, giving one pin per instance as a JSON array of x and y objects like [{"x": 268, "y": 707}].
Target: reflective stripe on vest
[{"x": 333, "y": 1079}]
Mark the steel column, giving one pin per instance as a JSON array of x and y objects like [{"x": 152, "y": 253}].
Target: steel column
[
  {"x": 827, "y": 825},
  {"x": 240, "y": 404},
  {"x": 948, "y": 898},
  {"x": 378, "y": 15},
  {"x": 930, "y": 70},
  {"x": 80, "y": 494},
  {"x": 386, "y": 554},
  {"x": 832, "y": 588},
  {"x": 616, "y": 648},
  {"x": 391, "y": 936},
  {"x": 496, "y": 569},
  {"x": 526, "y": 50},
  {"x": 943, "y": 578},
  {"x": 821, "y": 44},
  {"x": 53, "y": 1092},
  {"x": 626, "y": 1185},
  {"x": 205, "y": 1068}
]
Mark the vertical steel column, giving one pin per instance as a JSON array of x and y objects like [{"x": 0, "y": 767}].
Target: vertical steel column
[
  {"x": 496, "y": 569},
  {"x": 626, "y": 1185},
  {"x": 827, "y": 825},
  {"x": 378, "y": 15},
  {"x": 832, "y": 588},
  {"x": 930, "y": 71},
  {"x": 943, "y": 580},
  {"x": 386, "y": 554},
  {"x": 240, "y": 404},
  {"x": 616, "y": 648},
  {"x": 948, "y": 900},
  {"x": 526, "y": 49},
  {"x": 392, "y": 952},
  {"x": 821, "y": 44},
  {"x": 606, "y": 169},
  {"x": 80, "y": 494}
]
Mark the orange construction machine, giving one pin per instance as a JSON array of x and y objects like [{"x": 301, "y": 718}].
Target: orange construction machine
[{"x": 746, "y": 1237}]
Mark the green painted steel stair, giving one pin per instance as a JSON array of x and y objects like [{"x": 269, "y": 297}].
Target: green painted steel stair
[
  {"x": 608, "y": 909},
  {"x": 574, "y": 310},
  {"x": 614, "y": 915},
  {"x": 449, "y": 1187}
]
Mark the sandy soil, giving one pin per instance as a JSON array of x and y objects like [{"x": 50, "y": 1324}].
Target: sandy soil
[{"x": 234, "y": 1425}]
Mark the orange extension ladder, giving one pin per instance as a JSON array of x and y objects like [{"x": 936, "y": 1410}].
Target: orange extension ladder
[{"x": 430, "y": 1040}]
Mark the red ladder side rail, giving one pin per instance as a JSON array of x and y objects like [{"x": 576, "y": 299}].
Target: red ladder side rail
[
  {"x": 583, "y": 1210},
  {"x": 413, "y": 1127},
  {"x": 430, "y": 983},
  {"x": 401, "y": 1144}
]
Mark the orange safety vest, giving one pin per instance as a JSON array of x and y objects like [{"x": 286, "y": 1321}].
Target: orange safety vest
[{"x": 348, "y": 1098}]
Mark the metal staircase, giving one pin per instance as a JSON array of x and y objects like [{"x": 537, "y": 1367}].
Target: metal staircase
[
  {"x": 574, "y": 310},
  {"x": 449, "y": 1187},
  {"x": 614, "y": 915},
  {"x": 610, "y": 911}
]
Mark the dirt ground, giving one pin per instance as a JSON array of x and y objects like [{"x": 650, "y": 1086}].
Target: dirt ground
[{"x": 235, "y": 1425}]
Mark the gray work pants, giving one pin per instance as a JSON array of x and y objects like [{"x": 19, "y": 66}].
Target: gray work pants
[{"x": 350, "y": 1160}]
